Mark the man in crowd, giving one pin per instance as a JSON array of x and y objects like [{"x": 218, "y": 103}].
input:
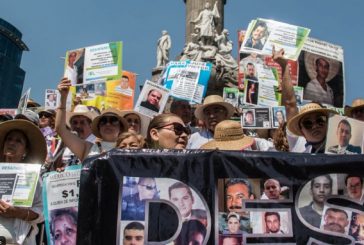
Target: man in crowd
[
  {"x": 272, "y": 223},
  {"x": 183, "y": 109},
  {"x": 124, "y": 87},
  {"x": 343, "y": 134},
  {"x": 181, "y": 196},
  {"x": 354, "y": 186},
  {"x": 272, "y": 190},
  {"x": 317, "y": 89},
  {"x": 321, "y": 188},
  {"x": 335, "y": 220},
  {"x": 152, "y": 102},
  {"x": 213, "y": 110},
  {"x": 29, "y": 115},
  {"x": 356, "y": 110},
  {"x": 134, "y": 234}
]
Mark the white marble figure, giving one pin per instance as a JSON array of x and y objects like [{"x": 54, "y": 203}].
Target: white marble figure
[
  {"x": 163, "y": 46},
  {"x": 192, "y": 50},
  {"x": 205, "y": 22},
  {"x": 225, "y": 46}
]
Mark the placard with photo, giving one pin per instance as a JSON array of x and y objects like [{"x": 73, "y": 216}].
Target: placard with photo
[{"x": 256, "y": 117}]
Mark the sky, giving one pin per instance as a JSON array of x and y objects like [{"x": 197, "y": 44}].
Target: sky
[{"x": 50, "y": 28}]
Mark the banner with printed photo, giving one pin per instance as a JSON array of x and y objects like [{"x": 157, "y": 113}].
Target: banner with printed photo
[
  {"x": 263, "y": 34},
  {"x": 102, "y": 95},
  {"x": 187, "y": 80},
  {"x": 18, "y": 182},
  {"x": 152, "y": 99},
  {"x": 249, "y": 63},
  {"x": 60, "y": 205},
  {"x": 344, "y": 136},
  {"x": 221, "y": 197},
  {"x": 99, "y": 63},
  {"x": 256, "y": 117},
  {"x": 321, "y": 66}
]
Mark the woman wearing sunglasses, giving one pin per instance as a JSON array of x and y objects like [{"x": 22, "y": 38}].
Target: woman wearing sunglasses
[
  {"x": 307, "y": 128},
  {"x": 167, "y": 131},
  {"x": 107, "y": 127},
  {"x": 137, "y": 122}
]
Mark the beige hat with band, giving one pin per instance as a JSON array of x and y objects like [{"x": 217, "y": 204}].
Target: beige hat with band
[{"x": 214, "y": 100}]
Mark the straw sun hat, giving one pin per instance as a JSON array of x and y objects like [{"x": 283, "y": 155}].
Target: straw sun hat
[
  {"x": 229, "y": 135},
  {"x": 293, "y": 123},
  {"x": 357, "y": 103},
  {"x": 109, "y": 112},
  {"x": 144, "y": 120},
  {"x": 213, "y": 100},
  {"x": 80, "y": 110},
  {"x": 37, "y": 145}
]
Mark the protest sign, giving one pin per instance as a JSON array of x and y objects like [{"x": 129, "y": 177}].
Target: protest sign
[
  {"x": 321, "y": 66},
  {"x": 114, "y": 93},
  {"x": 22, "y": 105},
  {"x": 262, "y": 93},
  {"x": 52, "y": 98},
  {"x": 217, "y": 185},
  {"x": 344, "y": 136},
  {"x": 263, "y": 34},
  {"x": 231, "y": 95},
  {"x": 60, "y": 204},
  {"x": 98, "y": 63},
  {"x": 152, "y": 99},
  {"x": 256, "y": 117},
  {"x": 18, "y": 182},
  {"x": 187, "y": 80}
]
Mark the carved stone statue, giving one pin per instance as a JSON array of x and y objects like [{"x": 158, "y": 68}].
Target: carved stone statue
[
  {"x": 205, "y": 23},
  {"x": 193, "y": 50},
  {"x": 163, "y": 46},
  {"x": 225, "y": 46}
]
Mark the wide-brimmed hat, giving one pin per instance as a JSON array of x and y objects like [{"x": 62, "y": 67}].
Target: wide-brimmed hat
[
  {"x": 80, "y": 110},
  {"x": 109, "y": 112},
  {"x": 28, "y": 115},
  {"x": 50, "y": 112},
  {"x": 214, "y": 100},
  {"x": 143, "y": 118},
  {"x": 37, "y": 144},
  {"x": 229, "y": 135},
  {"x": 357, "y": 103},
  {"x": 293, "y": 123}
]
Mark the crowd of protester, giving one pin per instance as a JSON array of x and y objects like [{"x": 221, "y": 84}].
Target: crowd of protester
[{"x": 57, "y": 138}]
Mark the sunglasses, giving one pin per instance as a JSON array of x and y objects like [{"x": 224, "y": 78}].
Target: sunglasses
[
  {"x": 178, "y": 129},
  {"x": 112, "y": 120},
  {"x": 308, "y": 124},
  {"x": 44, "y": 114},
  {"x": 132, "y": 121},
  {"x": 148, "y": 187}
]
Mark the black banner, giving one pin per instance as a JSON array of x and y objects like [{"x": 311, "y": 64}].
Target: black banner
[{"x": 221, "y": 197}]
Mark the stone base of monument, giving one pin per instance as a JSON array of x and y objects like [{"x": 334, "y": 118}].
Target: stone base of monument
[{"x": 156, "y": 73}]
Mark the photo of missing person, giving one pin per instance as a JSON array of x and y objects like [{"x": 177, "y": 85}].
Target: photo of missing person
[
  {"x": 132, "y": 233},
  {"x": 322, "y": 79},
  {"x": 357, "y": 227},
  {"x": 252, "y": 90},
  {"x": 51, "y": 99},
  {"x": 345, "y": 136},
  {"x": 272, "y": 189},
  {"x": 258, "y": 36},
  {"x": 63, "y": 226},
  {"x": 279, "y": 116},
  {"x": 230, "y": 239},
  {"x": 335, "y": 220},
  {"x": 271, "y": 222},
  {"x": 248, "y": 118},
  {"x": 313, "y": 196},
  {"x": 74, "y": 66},
  {"x": 152, "y": 100}
]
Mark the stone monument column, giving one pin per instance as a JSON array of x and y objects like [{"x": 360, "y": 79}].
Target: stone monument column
[{"x": 193, "y": 9}]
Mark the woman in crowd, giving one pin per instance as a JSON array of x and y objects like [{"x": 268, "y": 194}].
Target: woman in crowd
[
  {"x": 130, "y": 140},
  {"x": 107, "y": 127},
  {"x": 167, "y": 131},
  {"x": 21, "y": 142},
  {"x": 307, "y": 128},
  {"x": 137, "y": 122}
]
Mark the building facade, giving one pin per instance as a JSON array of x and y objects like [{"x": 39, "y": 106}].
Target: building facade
[{"x": 11, "y": 75}]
